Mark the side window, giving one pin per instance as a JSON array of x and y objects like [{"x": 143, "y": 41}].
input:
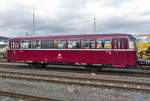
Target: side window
[
  {"x": 100, "y": 43},
  {"x": 123, "y": 44},
  {"x": 108, "y": 44},
  {"x": 16, "y": 45},
  {"x": 131, "y": 44},
  {"x": 74, "y": 43},
  {"x": 11, "y": 44},
  {"x": 119, "y": 43},
  {"x": 24, "y": 44},
  {"x": 45, "y": 44},
  {"x": 60, "y": 44},
  {"x": 35, "y": 44},
  {"x": 88, "y": 43},
  {"x": 116, "y": 44},
  {"x": 104, "y": 43}
]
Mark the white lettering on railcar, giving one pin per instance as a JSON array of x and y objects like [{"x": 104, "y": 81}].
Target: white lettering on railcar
[{"x": 59, "y": 56}]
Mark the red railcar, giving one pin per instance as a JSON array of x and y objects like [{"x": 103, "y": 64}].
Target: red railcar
[{"x": 105, "y": 49}]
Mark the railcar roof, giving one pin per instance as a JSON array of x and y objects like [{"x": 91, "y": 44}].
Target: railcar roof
[{"x": 77, "y": 36}]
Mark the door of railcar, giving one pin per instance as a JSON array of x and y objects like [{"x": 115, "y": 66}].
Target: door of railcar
[{"x": 119, "y": 46}]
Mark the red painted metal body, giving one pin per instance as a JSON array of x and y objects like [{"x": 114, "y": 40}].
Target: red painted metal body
[{"x": 114, "y": 56}]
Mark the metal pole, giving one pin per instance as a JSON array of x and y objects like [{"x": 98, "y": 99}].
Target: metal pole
[
  {"x": 33, "y": 24},
  {"x": 94, "y": 24}
]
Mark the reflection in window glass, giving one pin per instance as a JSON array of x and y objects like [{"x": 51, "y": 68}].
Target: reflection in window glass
[
  {"x": 123, "y": 44},
  {"x": 107, "y": 44},
  {"x": 103, "y": 43},
  {"x": 46, "y": 44},
  {"x": 16, "y": 44},
  {"x": 35, "y": 44},
  {"x": 74, "y": 43},
  {"x": 100, "y": 43},
  {"x": 60, "y": 44},
  {"x": 88, "y": 43},
  {"x": 12, "y": 44},
  {"x": 131, "y": 44},
  {"x": 119, "y": 41},
  {"x": 116, "y": 44},
  {"x": 24, "y": 44}
]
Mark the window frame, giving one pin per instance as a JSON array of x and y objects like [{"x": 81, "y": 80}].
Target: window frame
[
  {"x": 16, "y": 44},
  {"x": 103, "y": 40},
  {"x": 88, "y": 46},
  {"x": 50, "y": 40},
  {"x": 133, "y": 43},
  {"x": 38, "y": 46},
  {"x": 55, "y": 43},
  {"x": 21, "y": 44},
  {"x": 77, "y": 41}
]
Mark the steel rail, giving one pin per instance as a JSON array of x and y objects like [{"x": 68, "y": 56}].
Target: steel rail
[
  {"x": 79, "y": 78},
  {"x": 78, "y": 84},
  {"x": 37, "y": 98}
]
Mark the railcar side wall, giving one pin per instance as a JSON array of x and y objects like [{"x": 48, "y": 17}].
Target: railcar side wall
[{"x": 80, "y": 56}]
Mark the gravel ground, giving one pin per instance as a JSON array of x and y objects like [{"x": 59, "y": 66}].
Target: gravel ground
[
  {"x": 70, "y": 93},
  {"x": 8, "y": 98}
]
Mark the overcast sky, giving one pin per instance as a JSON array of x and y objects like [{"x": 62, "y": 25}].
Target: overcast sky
[{"x": 66, "y": 17}]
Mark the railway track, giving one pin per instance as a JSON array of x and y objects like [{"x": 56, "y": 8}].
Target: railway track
[
  {"x": 59, "y": 68},
  {"x": 77, "y": 78},
  {"x": 78, "y": 81},
  {"x": 34, "y": 98}
]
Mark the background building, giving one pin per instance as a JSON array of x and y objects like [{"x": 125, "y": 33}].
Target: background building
[{"x": 3, "y": 47}]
